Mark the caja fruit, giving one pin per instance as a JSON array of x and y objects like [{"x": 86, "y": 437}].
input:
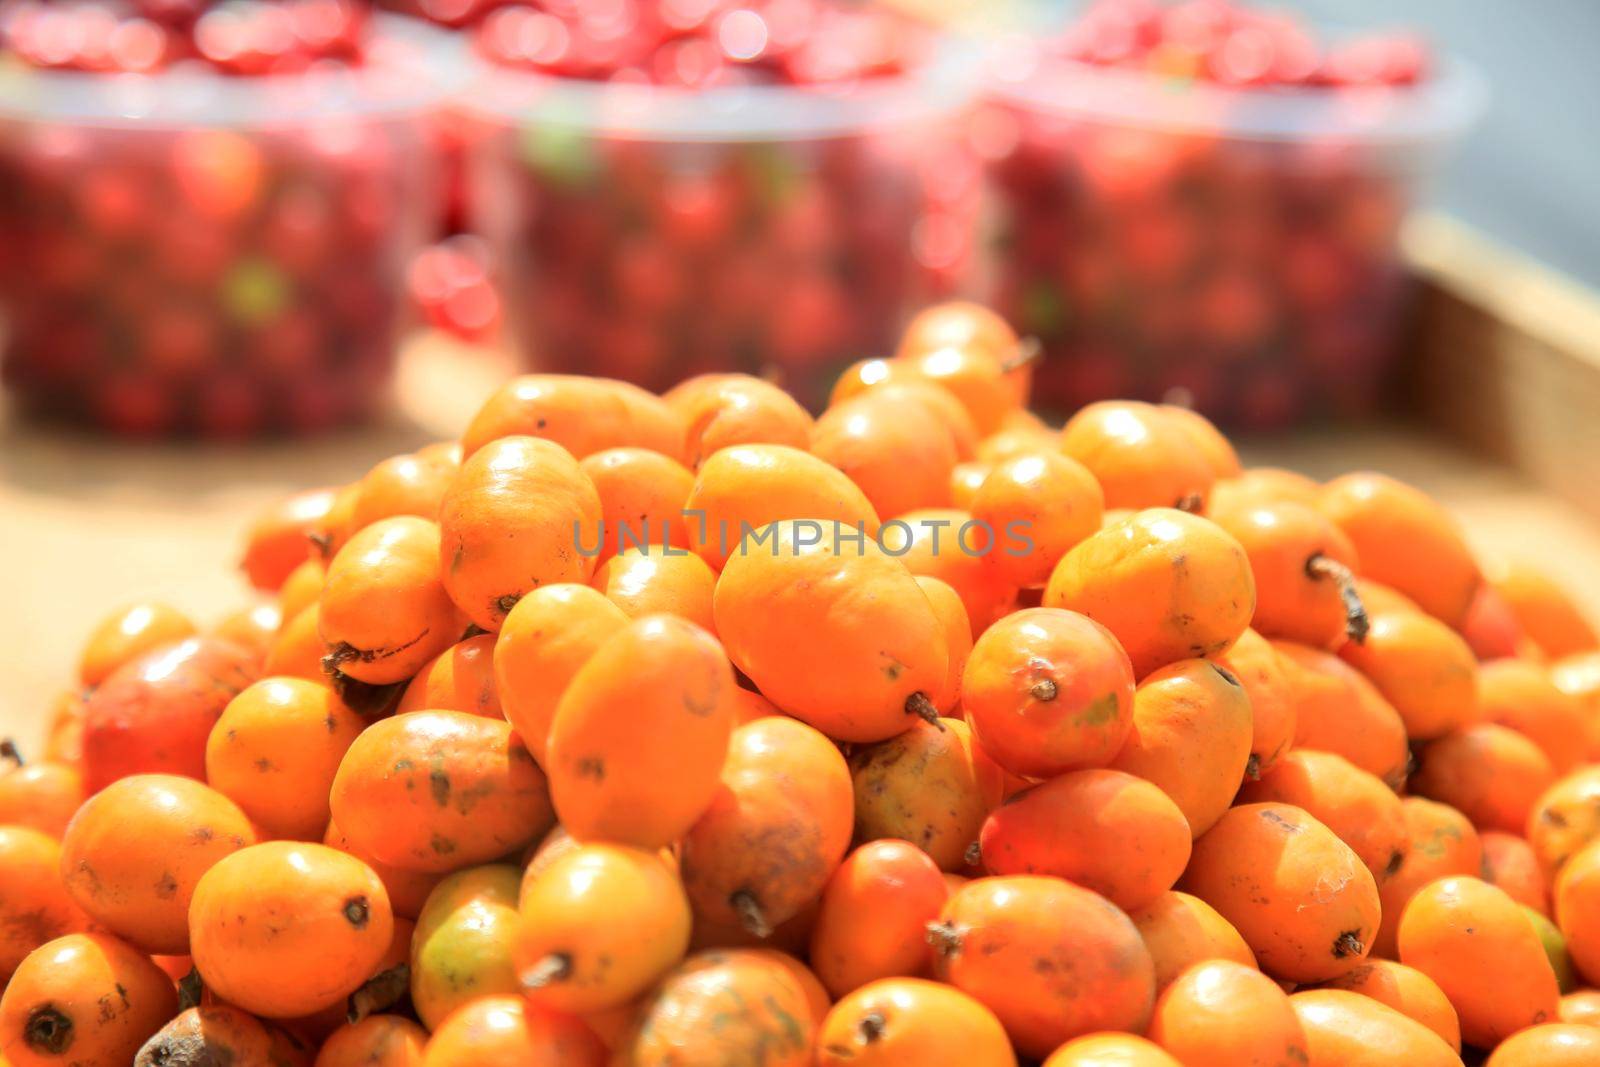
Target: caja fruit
[
  {"x": 861, "y": 613},
  {"x": 776, "y": 828},
  {"x": 1048, "y": 690},
  {"x": 1167, "y": 584},
  {"x": 284, "y": 929},
  {"x": 87, "y": 996},
  {"x": 1052, "y": 960}
]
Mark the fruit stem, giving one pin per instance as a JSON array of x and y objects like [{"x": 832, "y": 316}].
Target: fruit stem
[
  {"x": 751, "y": 917},
  {"x": 871, "y": 1027},
  {"x": 556, "y": 967},
  {"x": 1347, "y": 944},
  {"x": 47, "y": 1030},
  {"x": 190, "y": 989},
  {"x": 379, "y": 993},
  {"x": 1356, "y": 622},
  {"x": 1044, "y": 690},
  {"x": 919, "y": 705},
  {"x": 8, "y": 750},
  {"x": 945, "y": 937},
  {"x": 1027, "y": 351}
]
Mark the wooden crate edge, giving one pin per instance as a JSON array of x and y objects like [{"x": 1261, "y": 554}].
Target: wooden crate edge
[{"x": 1506, "y": 357}]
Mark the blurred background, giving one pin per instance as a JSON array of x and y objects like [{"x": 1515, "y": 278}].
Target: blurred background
[{"x": 249, "y": 247}]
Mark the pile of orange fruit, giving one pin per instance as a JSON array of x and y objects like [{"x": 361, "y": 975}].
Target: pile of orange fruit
[{"x": 919, "y": 733}]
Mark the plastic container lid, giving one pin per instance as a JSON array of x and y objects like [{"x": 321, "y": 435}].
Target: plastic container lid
[
  {"x": 945, "y": 81},
  {"x": 410, "y": 68},
  {"x": 1436, "y": 110}
]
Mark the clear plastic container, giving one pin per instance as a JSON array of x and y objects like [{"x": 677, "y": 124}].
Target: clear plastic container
[
  {"x": 654, "y": 233},
  {"x": 1237, "y": 247},
  {"x": 192, "y": 253}
]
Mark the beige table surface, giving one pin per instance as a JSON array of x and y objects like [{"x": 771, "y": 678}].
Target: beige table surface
[{"x": 86, "y": 525}]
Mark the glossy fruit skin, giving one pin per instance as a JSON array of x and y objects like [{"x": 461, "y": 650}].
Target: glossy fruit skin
[
  {"x": 612, "y": 920},
  {"x": 1545, "y": 611},
  {"x": 582, "y": 415},
  {"x": 911, "y": 1020},
  {"x": 1565, "y": 818},
  {"x": 957, "y": 628},
  {"x": 1581, "y": 1007},
  {"x": 1141, "y": 456},
  {"x": 545, "y": 639},
  {"x": 776, "y": 829},
  {"x": 1458, "y": 929},
  {"x": 1285, "y": 541},
  {"x": 1029, "y": 947},
  {"x": 276, "y": 542},
  {"x": 1442, "y": 842},
  {"x": 1191, "y": 736},
  {"x": 383, "y": 611},
  {"x": 637, "y": 745},
  {"x": 1303, "y": 901},
  {"x": 722, "y": 410},
  {"x": 1511, "y": 863},
  {"x": 220, "y": 1033},
  {"x": 89, "y": 996},
  {"x": 932, "y": 785},
  {"x": 642, "y": 494},
  {"x": 1406, "y": 540},
  {"x": 43, "y": 796},
  {"x": 1345, "y": 1029},
  {"x": 408, "y": 890},
  {"x": 763, "y": 1010},
  {"x": 1337, "y": 710},
  {"x": 1181, "y": 930},
  {"x": 284, "y": 929},
  {"x": 746, "y": 487},
  {"x": 1520, "y": 694},
  {"x": 1360, "y": 809},
  {"x": 1048, "y": 691},
  {"x": 1101, "y": 829},
  {"x": 1110, "y": 1050},
  {"x": 34, "y": 904},
  {"x": 376, "y": 1041},
  {"x": 297, "y": 650},
  {"x": 872, "y": 923},
  {"x": 461, "y": 678},
  {"x": 275, "y": 751},
  {"x": 1406, "y": 990},
  {"x": 1048, "y": 497},
  {"x": 469, "y": 790},
  {"x": 899, "y": 457},
  {"x": 496, "y": 545},
  {"x": 461, "y": 948},
  {"x": 1167, "y": 584},
  {"x": 509, "y": 1032},
  {"x": 855, "y": 612},
  {"x": 950, "y": 544},
  {"x": 128, "y": 634},
  {"x": 657, "y": 583},
  {"x": 1548, "y": 1045},
  {"x": 153, "y": 715},
  {"x": 135, "y": 851},
  {"x": 1492, "y": 774},
  {"x": 1422, "y": 667},
  {"x": 1224, "y": 1013},
  {"x": 1273, "y": 719},
  {"x": 1576, "y": 891},
  {"x": 1579, "y": 676},
  {"x": 411, "y": 483}
]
